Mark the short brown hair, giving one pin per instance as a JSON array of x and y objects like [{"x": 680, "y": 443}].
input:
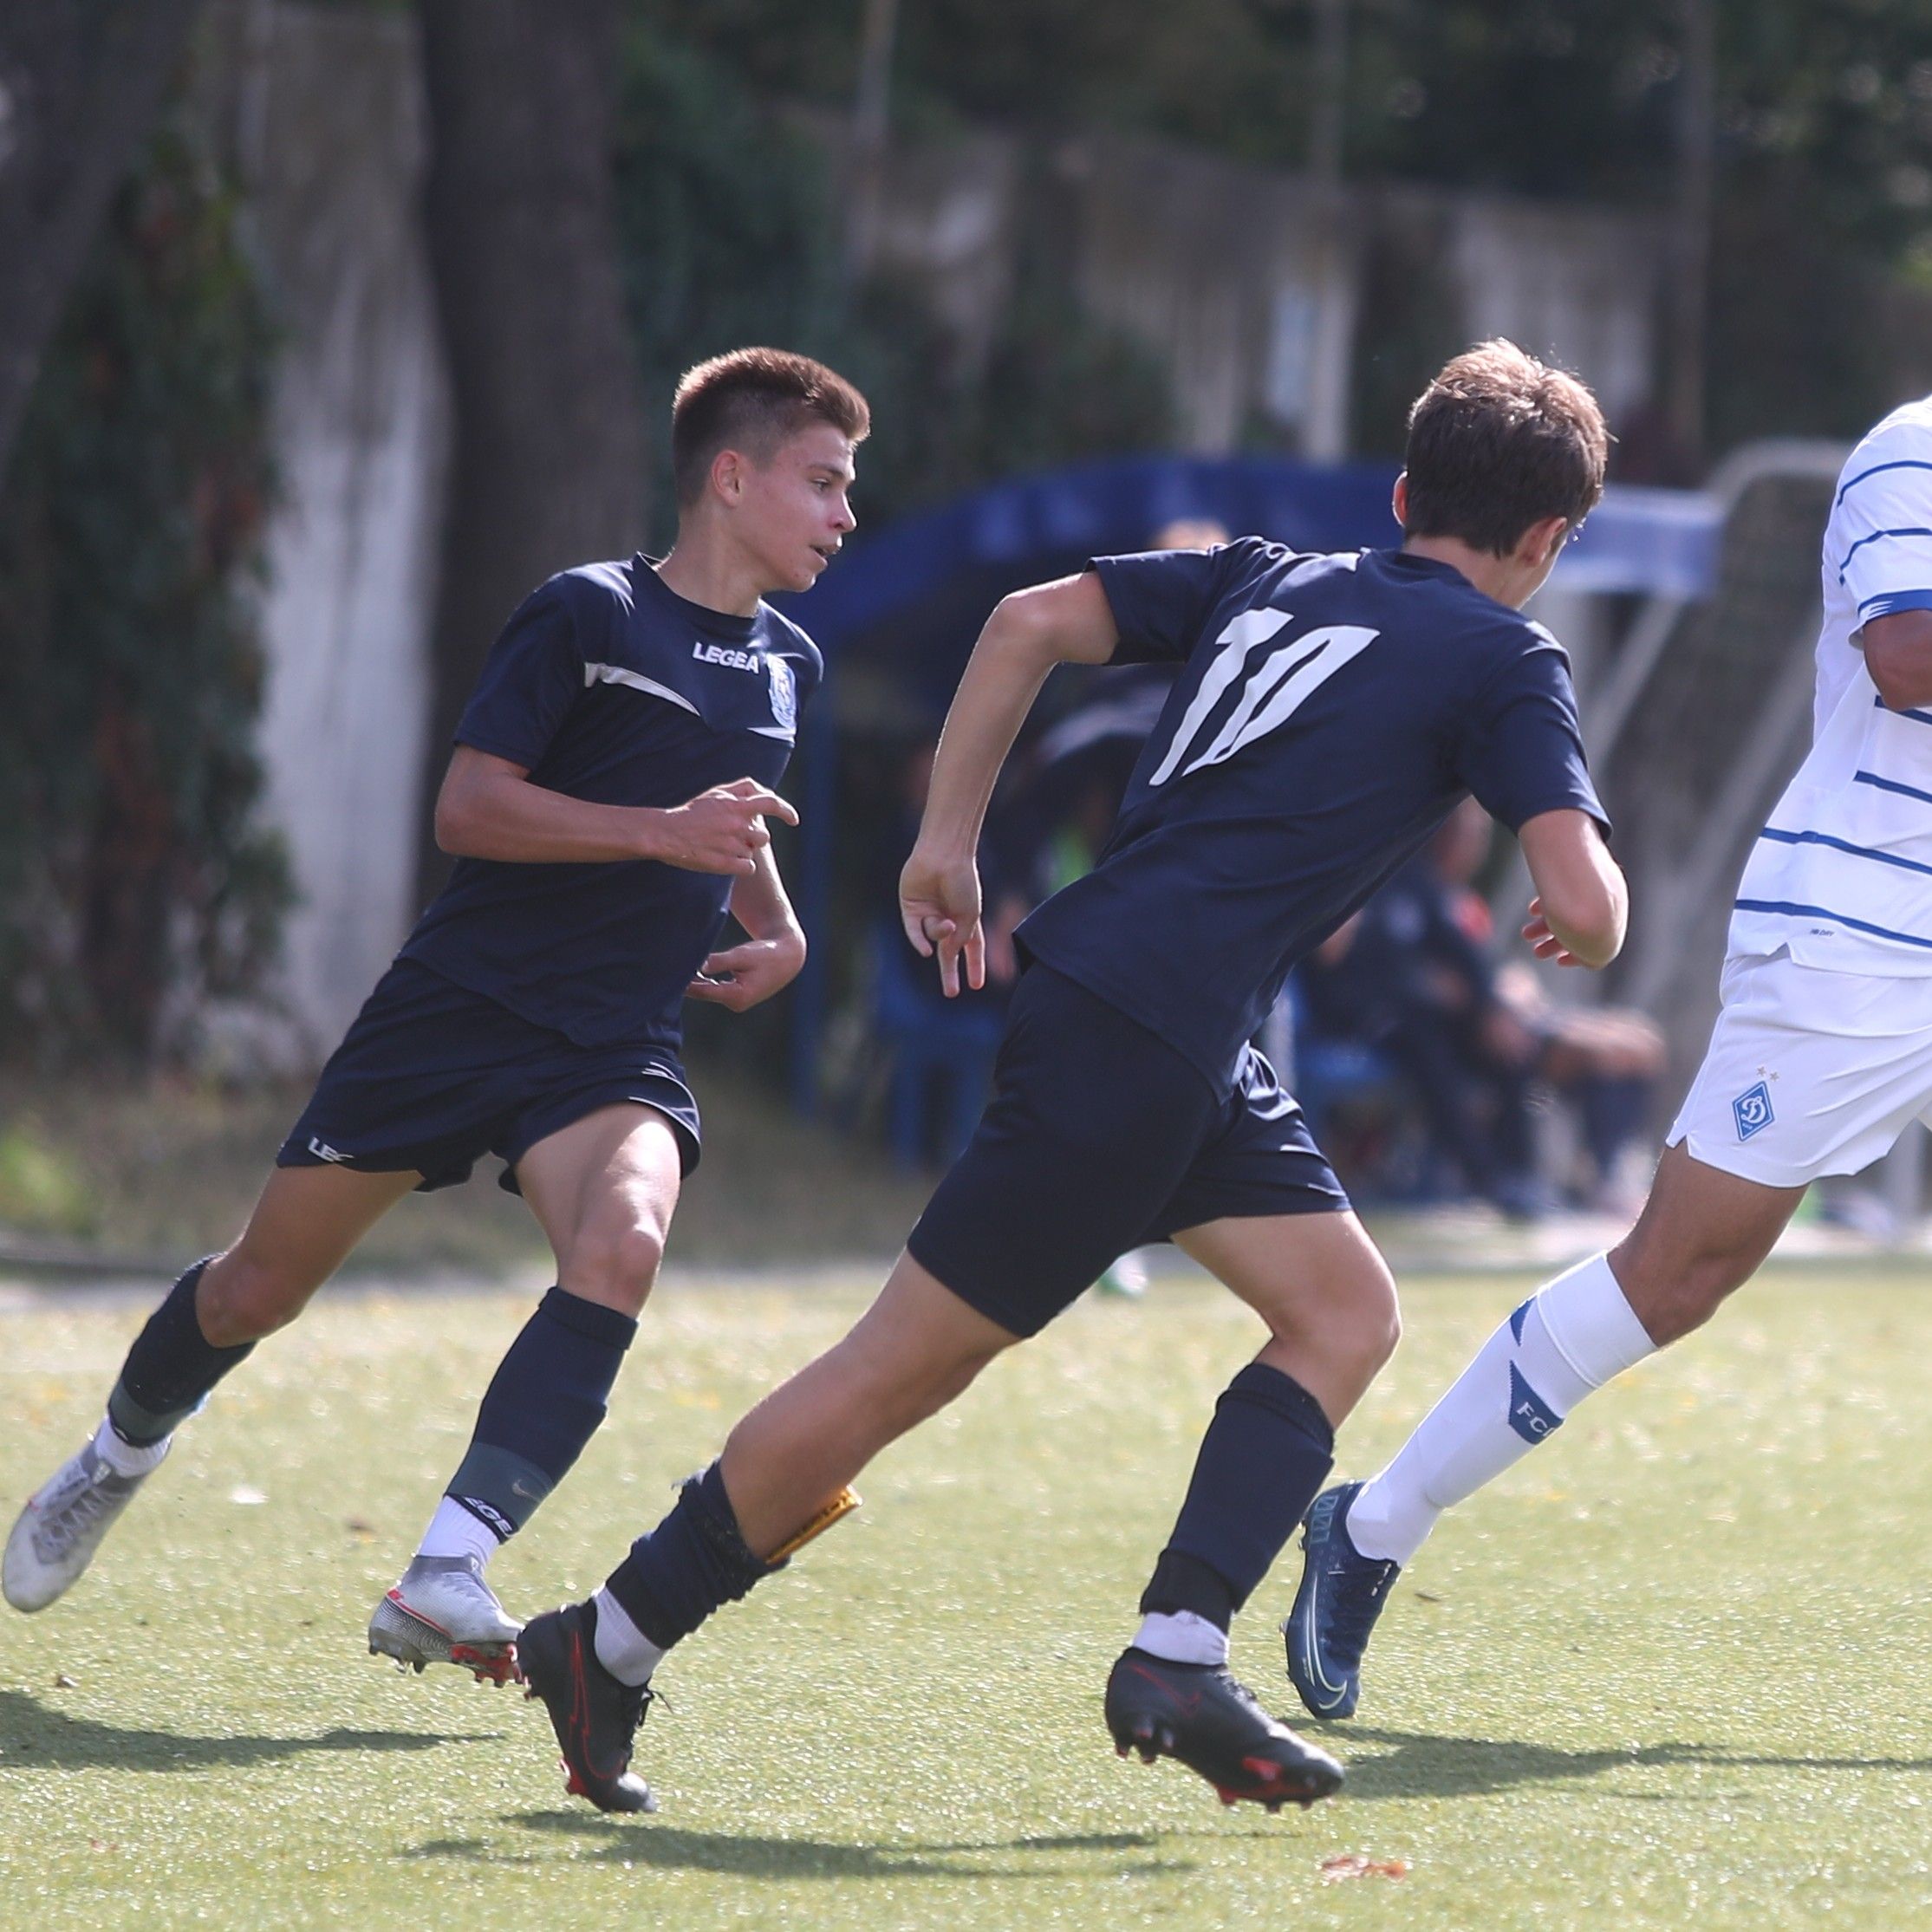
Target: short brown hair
[
  {"x": 1497, "y": 442},
  {"x": 753, "y": 399}
]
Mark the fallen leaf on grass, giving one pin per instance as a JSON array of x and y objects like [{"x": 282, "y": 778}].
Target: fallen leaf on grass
[
  {"x": 65, "y": 1682},
  {"x": 357, "y": 1527},
  {"x": 1355, "y": 1864},
  {"x": 1423, "y": 1597}
]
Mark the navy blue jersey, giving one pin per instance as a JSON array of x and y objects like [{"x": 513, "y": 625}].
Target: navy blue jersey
[
  {"x": 609, "y": 686},
  {"x": 1329, "y": 713}
]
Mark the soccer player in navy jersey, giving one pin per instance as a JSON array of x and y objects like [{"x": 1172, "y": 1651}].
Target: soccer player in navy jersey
[
  {"x": 1820, "y": 1060},
  {"x": 1329, "y": 713},
  {"x": 606, "y": 804}
]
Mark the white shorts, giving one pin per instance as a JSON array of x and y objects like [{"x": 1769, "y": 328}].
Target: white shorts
[{"x": 1809, "y": 1072}]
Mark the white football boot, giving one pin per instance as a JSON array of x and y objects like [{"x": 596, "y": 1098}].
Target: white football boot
[
  {"x": 56, "y": 1535},
  {"x": 444, "y": 1612}
]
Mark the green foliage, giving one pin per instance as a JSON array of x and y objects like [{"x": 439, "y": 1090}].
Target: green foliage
[
  {"x": 1055, "y": 388},
  {"x": 40, "y": 1187},
  {"x": 729, "y": 233},
  {"x": 1823, "y": 111},
  {"x": 720, "y": 231},
  {"x": 130, "y": 676},
  {"x": 1538, "y": 97}
]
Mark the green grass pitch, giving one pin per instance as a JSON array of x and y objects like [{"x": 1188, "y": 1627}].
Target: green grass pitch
[{"x": 1673, "y": 1671}]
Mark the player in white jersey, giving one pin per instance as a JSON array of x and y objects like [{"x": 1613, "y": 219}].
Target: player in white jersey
[{"x": 1821, "y": 1057}]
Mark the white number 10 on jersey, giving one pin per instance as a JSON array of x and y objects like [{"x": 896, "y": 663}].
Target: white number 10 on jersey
[{"x": 1273, "y": 689}]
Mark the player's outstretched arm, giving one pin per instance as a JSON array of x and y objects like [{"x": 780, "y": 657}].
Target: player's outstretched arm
[
  {"x": 488, "y": 808},
  {"x": 1582, "y": 904},
  {"x": 1069, "y": 621},
  {"x": 769, "y": 958},
  {"x": 1898, "y": 654}
]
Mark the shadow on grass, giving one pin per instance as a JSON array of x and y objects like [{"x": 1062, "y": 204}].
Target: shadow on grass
[
  {"x": 1422, "y": 1765},
  {"x": 36, "y": 1736},
  {"x": 744, "y": 1857}
]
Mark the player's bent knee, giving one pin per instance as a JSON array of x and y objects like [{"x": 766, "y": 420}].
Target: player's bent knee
[
  {"x": 1387, "y": 1335},
  {"x": 617, "y": 1267},
  {"x": 241, "y": 1298},
  {"x": 1690, "y": 1301},
  {"x": 1369, "y": 1315},
  {"x": 1674, "y": 1296},
  {"x": 1364, "y": 1342}
]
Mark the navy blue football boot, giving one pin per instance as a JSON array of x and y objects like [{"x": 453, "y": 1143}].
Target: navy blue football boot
[{"x": 1341, "y": 1596}]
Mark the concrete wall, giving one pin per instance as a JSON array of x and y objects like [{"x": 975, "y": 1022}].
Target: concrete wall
[
  {"x": 330, "y": 132},
  {"x": 1245, "y": 282},
  {"x": 1249, "y": 284},
  {"x": 1242, "y": 280}
]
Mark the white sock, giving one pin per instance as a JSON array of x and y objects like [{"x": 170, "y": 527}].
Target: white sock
[
  {"x": 456, "y": 1531},
  {"x": 124, "y": 1458},
  {"x": 622, "y": 1648},
  {"x": 1180, "y": 1636},
  {"x": 1564, "y": 1341}
]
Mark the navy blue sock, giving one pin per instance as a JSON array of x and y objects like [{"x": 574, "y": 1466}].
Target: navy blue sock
[
  {"x": 544, "y": 1402},
  {"x": 171, "y": 1366},
  {"x": 1264, "y": 1456},
  {"x": 694, "y": 1560}
]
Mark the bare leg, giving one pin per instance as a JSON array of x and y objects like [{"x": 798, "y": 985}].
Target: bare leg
[
  {"x": 1322, "y": 1288},
  {"x": 1702, "y": 1234},
  {"x": 1316, "y": 1279},
  {"x": 912, "y": 1352},
  {"x": 306, "y": 1221},
  {"x": 304, "y": 1226},
  {"x": 603, "y": 1190}
]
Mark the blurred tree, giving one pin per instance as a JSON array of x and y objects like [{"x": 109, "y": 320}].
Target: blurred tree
[
  {"x": 1822, "y": 114},
  {"x": 730, "y": 233},
  {"x": 131, "y": 862},
  {"x": 721, "y": 216},
  {"x": 549, "y": 461},
  {"x": 80, "y": 82}
]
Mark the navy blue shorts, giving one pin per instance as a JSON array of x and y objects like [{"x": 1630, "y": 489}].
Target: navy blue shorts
[
  {"x": 1101, "y": 1137},
  {"x": 431, "y": 1076}
]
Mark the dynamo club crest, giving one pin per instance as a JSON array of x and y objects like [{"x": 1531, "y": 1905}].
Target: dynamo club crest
[
  {"x": 1751, "y": 1110},
  {"x": 784, "y": 693}
]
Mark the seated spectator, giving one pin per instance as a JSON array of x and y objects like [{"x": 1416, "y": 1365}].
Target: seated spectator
[{"x": 1412, "y": 977}]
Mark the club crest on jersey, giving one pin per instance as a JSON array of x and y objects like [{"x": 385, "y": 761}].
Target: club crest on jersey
[
  {"x": 1751, "y": 1110},
  {"x": 784, "y": 693}
]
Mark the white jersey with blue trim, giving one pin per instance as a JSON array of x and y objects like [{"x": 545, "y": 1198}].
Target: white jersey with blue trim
[{"x": 1842, "y": 875}]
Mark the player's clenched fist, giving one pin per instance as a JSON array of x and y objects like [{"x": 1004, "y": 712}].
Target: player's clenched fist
[{"x": 720, "y": 830}]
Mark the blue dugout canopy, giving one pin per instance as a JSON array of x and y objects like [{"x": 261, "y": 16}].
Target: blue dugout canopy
[
  {"x": 917, "y": 591},
  {"x": 1659, "y": 542}
]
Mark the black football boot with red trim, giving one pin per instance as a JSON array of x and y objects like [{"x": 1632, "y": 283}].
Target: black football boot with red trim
[
  {"x": 595, "y": 1716},
  {"x": 1203, "y": 1717}
]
